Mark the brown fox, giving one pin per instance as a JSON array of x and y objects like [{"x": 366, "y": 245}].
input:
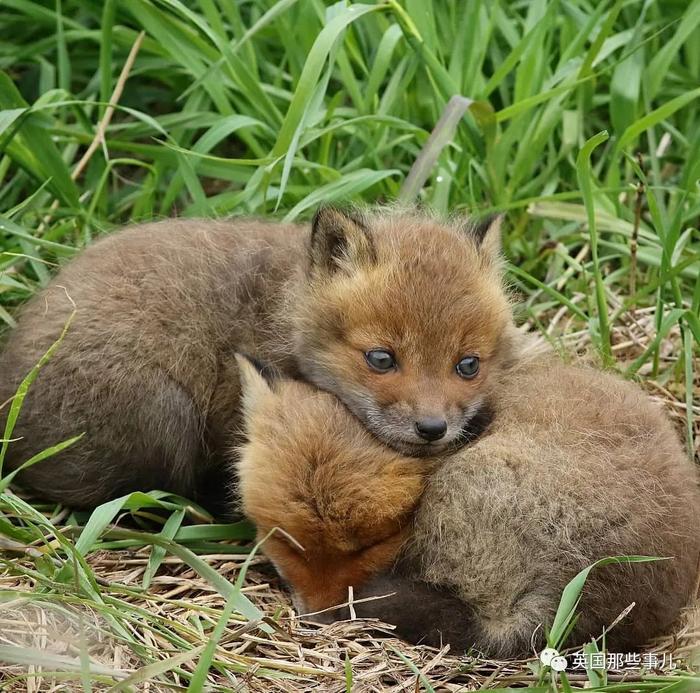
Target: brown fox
[
  {"x": 400, "y": 314},
  {"x": 576, "y": 465}
]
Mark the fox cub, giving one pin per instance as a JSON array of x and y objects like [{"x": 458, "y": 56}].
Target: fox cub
[
  {"x": 393, "y": 311},
  {"x": 310, "y": 468},
  {"x": 475, "y": 548}
]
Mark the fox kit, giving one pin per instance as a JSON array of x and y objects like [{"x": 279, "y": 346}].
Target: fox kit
[
  {"x": 398, "y": 314},
  {"x": 576, "y": 466},
  {"x": 348, "y": 499}
]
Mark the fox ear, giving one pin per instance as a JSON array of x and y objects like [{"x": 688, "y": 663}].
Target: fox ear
[
  {"x": 487, "y": 234},
  {"x": 340, "y": 241},
  {"x": 256, "y": 379}
]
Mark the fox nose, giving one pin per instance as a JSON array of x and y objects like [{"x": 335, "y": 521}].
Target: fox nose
[{"x": 431, "y": 428}]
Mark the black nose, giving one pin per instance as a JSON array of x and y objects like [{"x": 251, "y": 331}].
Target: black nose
[{"x": 431, "y": 428}]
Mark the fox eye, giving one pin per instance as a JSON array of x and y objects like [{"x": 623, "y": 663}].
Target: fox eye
[
  {"x": 468, "y": 367},
  {"x": 381, "y": 360}
]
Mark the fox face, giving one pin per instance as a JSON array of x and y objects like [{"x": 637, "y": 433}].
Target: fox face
[
  {"x": 332, "y": 504},
  {"x": 405, "y": 320}
]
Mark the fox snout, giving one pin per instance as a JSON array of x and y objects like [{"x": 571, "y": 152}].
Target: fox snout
[
  {"x": 431, "y": 428},
  {"x": 420, "y": 433}
]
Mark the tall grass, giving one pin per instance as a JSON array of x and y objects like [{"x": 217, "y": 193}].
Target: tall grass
[{"x": 262, "y": 107}]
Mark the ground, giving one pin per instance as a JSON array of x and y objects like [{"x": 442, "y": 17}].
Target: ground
[{"x": 296, "y": 656}]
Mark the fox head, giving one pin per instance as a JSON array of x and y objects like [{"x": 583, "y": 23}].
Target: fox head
[
  {"x": 406, "y": 320},
  {"x": 333, "y": 505}
]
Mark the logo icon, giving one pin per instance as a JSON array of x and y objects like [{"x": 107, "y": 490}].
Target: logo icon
[{"x": 551, "y": 658}]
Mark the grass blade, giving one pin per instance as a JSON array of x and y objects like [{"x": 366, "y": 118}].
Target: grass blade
[
  {"x": 583, "y": 170},
  {"x": 23, "y": 389}
]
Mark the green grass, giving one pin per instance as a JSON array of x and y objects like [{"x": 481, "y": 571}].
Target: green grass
[{"x": 582, "y": 126}]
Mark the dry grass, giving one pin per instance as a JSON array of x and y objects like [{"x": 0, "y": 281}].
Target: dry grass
[{"x": 295, "y": 657}]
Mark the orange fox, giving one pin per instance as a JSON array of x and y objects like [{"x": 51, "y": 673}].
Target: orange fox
[
  {"x": 475, "y": 548},
  {"x": 343, "y": 500}
]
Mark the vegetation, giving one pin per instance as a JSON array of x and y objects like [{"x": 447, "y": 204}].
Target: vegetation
[{"x": 579, "y": 121}]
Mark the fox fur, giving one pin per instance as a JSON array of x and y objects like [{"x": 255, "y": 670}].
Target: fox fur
[
  {"x": 147, "y": 368},
  {"x": 576, "y": 465},
  {"x": 347, "y": 498}
]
